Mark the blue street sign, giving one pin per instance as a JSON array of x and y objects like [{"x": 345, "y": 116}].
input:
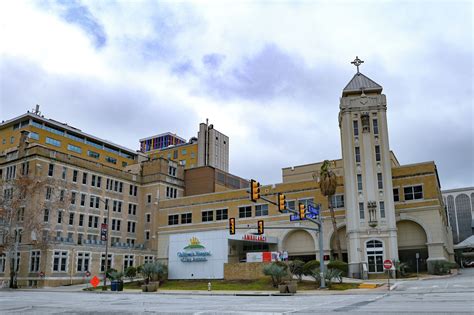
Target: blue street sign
[
  {"x": 314, "y": 210},
  {"x": 296, "y": 217}
]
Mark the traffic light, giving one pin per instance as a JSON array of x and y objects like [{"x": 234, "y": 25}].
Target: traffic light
[
  {"x": 260, "y": 228},
  {"x": 254, "y": 190},
  {"x": 302, "y": 209},
  {"x": 281, "y": 202},
  {"x": 232, "y": 226}
]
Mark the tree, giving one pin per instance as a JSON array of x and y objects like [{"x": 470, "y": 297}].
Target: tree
[
  {"x": 277, "y": 272},
  {"x": 22, "y": 206},
  {"x": 328, "y": 184}
]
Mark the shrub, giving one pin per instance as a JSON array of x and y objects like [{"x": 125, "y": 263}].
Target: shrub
[
  {"x": 333, "y": 274},
  {"x": 109, "y": 272},
  {"x": 131, "y": 272},
  {"x": 116, "y": 275},
  {"x": 310, "y": 266},
  {"x": 276, "y": 272},
  {"x": 442, "y": 267},
  {"x": 339, "y": 265},
  {"x": 296, "y": 268},
  {"x": 401, "y": 268},
  {"x": 154, "y": 270}
]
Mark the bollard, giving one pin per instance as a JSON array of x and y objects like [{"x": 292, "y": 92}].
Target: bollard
[{"x": 208, "y": 286}]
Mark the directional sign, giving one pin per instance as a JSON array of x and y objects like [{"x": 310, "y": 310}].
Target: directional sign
[
  {"x": 387, "y": 264},
  {"x": 314, "y": 210},
  {"x": 95, "y": 281}
]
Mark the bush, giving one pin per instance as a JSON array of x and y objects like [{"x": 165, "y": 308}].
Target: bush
[
  {"x": 276, "y": 272},
  {"x": 116, "y": 275},
  {"x": 339, "y": 265},
  {"x": 131, "y": 272},
  {"x": 310, "y": 266},
  {"x": 296, "y": 268},
  {"x": 109, "y": 272},
  {"x": 333, "y": 274},
  {"x": 155, "y": 270},
  {"x": 401, "y": 269},
  {"x": 442, "y": 267}
]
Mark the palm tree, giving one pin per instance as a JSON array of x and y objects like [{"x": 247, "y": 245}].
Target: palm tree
[{"x": 327, "y": 184}]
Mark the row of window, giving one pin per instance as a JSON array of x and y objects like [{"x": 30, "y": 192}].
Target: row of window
[
  {"x": 365, "y": 125},
  {"x": 378, "y": 155},
  {"x": 206, "y": 216},
  {"x": 60, "y": 261}
]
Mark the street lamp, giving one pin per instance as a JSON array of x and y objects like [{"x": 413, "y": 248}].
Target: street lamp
[{"x": 104, "y": 233}]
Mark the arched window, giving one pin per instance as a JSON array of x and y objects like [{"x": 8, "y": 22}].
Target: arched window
[
  {"x": 375, "y": 255},
  {"x": 464, "y": 216}
]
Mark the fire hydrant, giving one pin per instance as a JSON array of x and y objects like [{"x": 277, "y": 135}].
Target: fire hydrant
[{"x": 209, "y": 286}]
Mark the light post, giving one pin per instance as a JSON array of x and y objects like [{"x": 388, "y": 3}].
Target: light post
[{"x": 105, "y": 227}]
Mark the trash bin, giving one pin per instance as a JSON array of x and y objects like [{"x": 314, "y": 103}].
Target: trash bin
[{"x": 114, "y": 285}]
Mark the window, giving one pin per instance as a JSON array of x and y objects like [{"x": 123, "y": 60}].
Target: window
[
  {"x": 49, "y": 192},
  {"x": 171, "y": 192},
  {"x": 207, "y": 216},
  {"x": 128, "y": 261},
  {"x": 377, "y": 153},
  {"x": 84, "y": 178},
  {"x": 132, "y": 209},
  {"x": 106, "y": 206},
  {"x": 357, "y": 154},
  {"x": 338, "y": 201},
  {"x": 25, "y": 168},
  {"x": 261, "y": 210},
  {"x": 74, "y": 176},
  {"x": 71, "y": 218},
  {"x": 147, "y": 235},
  {"x": 34, "y": 260},
  {"x": 396, "y": 195},
  {"x": 413, "y": 192},
  {"x": 11, "y": 172},
  {"x": 94, "y": 202},
  {"x": 116, "y": 225},
  {"x": 61, "y": 195},
  {"x": 60, "y": 261},
  {"x": 52, "y": 141},
  {"x": 382, "y": 209},
  {"x": 148, "y": 217},
  {"x": 131, "y": 226},
  {"x": 99, "y": 182},
  {"x": 3, "y": 262},
  {"x": 117, "y": 206},
  {"x": 60, "y": 216},
  {"x": 81, "y": 220},
  {"x": 245, "y": 212},
  {"x": 359, "y": 182},
  {"x": 79, "y": 238},
  {"x": 63, "y": 175},
  {"x": 356, "y": 127},
  {"x": 375, "y": 255},
  {"x": 21, "y": 214},
  {"x": 148, "y": 259},
  {"x": 173, "y": 219},
  {"x": 102, "y": 262},
  {"x": 175, "y": 154},
  {"x": 221, "y": 214},
  {"x": 172, "y": 171},
  {"x": 148, "y": 198},
  {"x": 133, "y": 190},
  {"x": 93, "y": 154},
  {"x": 83, "y": 261},
  {"x": 380, "y": 180},
  {"x": 74, "y": 148},
  {"x": 33, "y": 135},
  {"x": 120, "y": 187},
  {"x": 361, "y": 211},
  {"x": 46, "y": 215},
  {"x": 290, "y": 204},
  {"x": 83, "y": 200},
  {"x": 183, "y": 152},
  {"x": 186, "y": 218},
  {"x": 51, "y": 170},
  {"x": 376, "y": 126},
  {"x": 111, "y": 160},
  {"x": 93, "y": 180},
  {"x": 73, "y": 197}
]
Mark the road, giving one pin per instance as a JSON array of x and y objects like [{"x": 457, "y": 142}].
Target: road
[{"x": 442, "y": 296}]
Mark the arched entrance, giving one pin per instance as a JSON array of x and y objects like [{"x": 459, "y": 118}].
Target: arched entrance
[
  {"x": 300, "y": 245},
  {"x": 342, "y": 237},
  {"x": 412, "y": 240}
]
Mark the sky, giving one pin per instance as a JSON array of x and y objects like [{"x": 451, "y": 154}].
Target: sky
[{"x": 268, "y": 74}]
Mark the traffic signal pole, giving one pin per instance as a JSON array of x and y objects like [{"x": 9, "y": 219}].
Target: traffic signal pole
[{"x": 319, "y": 223}]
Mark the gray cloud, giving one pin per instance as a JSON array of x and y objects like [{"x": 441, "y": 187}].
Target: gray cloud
[{"x": 120, "y": 113}]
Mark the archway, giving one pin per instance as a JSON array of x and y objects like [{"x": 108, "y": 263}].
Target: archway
[
  {"x": 412, "y": 239},
  {"x": 300, "y": 245},
  {"x": 341, "y": 231}
]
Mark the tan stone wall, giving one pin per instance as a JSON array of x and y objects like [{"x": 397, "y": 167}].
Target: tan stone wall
[{"x": 243, "y": 271}]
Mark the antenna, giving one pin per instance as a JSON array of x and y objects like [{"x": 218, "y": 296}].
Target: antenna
[{"x": 36, "y": 110}]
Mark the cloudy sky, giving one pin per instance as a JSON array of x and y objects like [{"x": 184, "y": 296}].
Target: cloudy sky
[{"x": 268, "y": 74}]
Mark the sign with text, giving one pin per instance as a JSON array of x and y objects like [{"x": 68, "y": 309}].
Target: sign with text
[
  {"x": 296, "y": 217},
  {"x": 103, "y": 232}
]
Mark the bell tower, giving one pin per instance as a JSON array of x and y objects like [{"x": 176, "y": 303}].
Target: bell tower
[{"x": 370, "y": 211}]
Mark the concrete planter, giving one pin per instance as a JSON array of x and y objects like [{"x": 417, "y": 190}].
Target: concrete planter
[{"x": 151, "y": 287}]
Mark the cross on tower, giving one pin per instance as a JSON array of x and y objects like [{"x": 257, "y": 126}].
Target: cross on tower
[{"x": 357, "y": 62}]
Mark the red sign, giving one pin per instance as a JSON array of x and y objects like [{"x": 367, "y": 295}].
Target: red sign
[
  {"x": 255, "y": 238},
  {"x": 387, "y": 264},
  {"x": 95, "y": 281},
  {"x": 103, "y": 232},
  {"x": 267, "y": 256}
]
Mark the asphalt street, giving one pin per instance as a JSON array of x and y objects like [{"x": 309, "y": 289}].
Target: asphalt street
[{"x": 453, "y": 295}]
